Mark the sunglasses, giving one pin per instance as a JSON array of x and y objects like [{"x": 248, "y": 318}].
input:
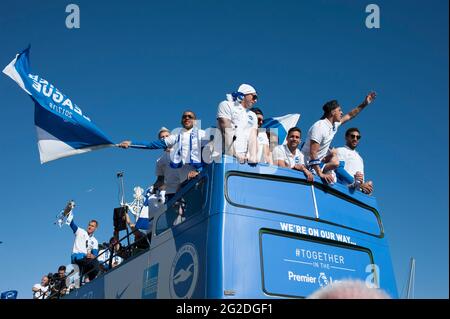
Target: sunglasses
[
  {"x": 355, "y": 136},
  {"x": 187, "y": 117}
]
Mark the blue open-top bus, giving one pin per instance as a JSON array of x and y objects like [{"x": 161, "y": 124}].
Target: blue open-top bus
[{"x": 254, "y": 232}]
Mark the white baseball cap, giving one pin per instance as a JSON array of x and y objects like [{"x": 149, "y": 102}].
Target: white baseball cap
[{"x": 246, "y": 89}]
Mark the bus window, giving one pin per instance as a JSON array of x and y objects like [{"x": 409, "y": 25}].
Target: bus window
[
  {"x": 186, "y": 206},
  {"x": 295, "y": 197},
  {"x": 267, "y": 194},
  {"x": 346, "y": 212}
]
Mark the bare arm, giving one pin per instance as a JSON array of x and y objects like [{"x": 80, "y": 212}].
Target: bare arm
[
  {"x": 314, "y": 148},
  {"x": 227, "y": 134},
  {"x": 267, "y": 154},
  {"x": 302, "y": 168},
  {"x": 280, "y": 163},
  {"x": 253, "y": 145},
  {"x": 159, "y": 182},
  {"x": 223, "y": 123},
  {"x": 369, "y": 99}
]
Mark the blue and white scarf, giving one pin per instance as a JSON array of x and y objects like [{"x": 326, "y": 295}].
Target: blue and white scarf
[{"x": 194, "y": 151}]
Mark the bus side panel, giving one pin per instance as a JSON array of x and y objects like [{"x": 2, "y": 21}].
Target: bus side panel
[
  {"x": 214, "y": 272},
  {"x": 92, "y": 290},
  {"x": 178, "y": 263},
  {"x": 241, "y": 257},
  {"x": 125, "y": 281},
  {"x": 386, "y": 271},
  {"x": 262, "y": 260}
]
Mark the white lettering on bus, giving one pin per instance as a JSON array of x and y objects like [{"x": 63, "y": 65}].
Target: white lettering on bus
[
  {"x": 322, "y": 256},
  {"x": 300, "y": 229},
  {"x": 301, "y": 278}
]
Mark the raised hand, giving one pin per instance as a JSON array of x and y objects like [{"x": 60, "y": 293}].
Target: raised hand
[
  {"x": 125, "y": 144},
  {"x": 370, "y": 98}
]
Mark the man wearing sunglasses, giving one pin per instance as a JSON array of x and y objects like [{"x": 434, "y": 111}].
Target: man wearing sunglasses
[
  {"x": 239, "y": 125},
  {"x": 351, "y": 164},
  {"x": 185, "y": 147},
  {"x": 316, "y": 149}
]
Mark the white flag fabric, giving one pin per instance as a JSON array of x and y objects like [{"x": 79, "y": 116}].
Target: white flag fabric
[{"x": 283, "y": 124}]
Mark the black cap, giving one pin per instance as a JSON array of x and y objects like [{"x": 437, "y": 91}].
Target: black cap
[{"x": 328, "y": 107}]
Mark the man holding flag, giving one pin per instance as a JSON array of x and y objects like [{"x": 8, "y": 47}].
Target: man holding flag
[{"x": 185, "y": 148}]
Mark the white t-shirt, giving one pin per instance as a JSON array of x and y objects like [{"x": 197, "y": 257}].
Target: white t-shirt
[
  {"x": 282, "y": 152},
  {"x": 353, "y": 161},
  {"x": 171, "y": 175},
  {"x": 171, "y": 140},
  {"x": 179, "y": 175},
  {"x": 242, "y": 121},
  {"x": 262, "y": 140},
  {"x": 83, "y": 242},
  {"x": 323, "y": 133},
  {"x": 42, "y": 294}
]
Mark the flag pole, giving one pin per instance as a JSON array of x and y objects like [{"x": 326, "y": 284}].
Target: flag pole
[{"x": 411, "y": 279}]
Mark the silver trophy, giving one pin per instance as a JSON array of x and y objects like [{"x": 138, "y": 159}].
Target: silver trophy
[{"x": 63, "y": 216}]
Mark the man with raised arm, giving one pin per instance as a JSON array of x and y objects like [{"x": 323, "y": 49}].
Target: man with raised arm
[
  {"x": 239, "y": 125},
  {"x": 318, "y": 156},
  {"x": 85, "y": 249}
]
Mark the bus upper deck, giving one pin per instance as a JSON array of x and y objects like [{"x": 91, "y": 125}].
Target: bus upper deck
[{"x": 254, "y": 232}]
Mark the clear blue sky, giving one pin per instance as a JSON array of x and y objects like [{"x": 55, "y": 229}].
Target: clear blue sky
[{"x": 134, "y": 66}]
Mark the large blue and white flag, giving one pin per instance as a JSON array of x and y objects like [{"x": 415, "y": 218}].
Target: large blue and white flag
[
  {"x": 281, "y": 125},
  {"x": 62, "y": 127}
]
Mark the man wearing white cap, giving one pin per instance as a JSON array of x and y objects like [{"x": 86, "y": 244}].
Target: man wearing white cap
[{"x": 238, "y": 124}]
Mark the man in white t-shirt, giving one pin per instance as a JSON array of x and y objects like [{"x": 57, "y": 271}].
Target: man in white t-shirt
[
  {"x": 167, "y": 178},
  {"x": 288, "y": 155},
  {"x": 316, "y": 149},
  {"x": 264, "y": 154},
  {"x": 185, "y": 149},
  {"x": 351, "y": 164},
  {"x": 238, "y": 124},
  {"x": 41, "y": 291},
  {"x": 85, "y": 250}
]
